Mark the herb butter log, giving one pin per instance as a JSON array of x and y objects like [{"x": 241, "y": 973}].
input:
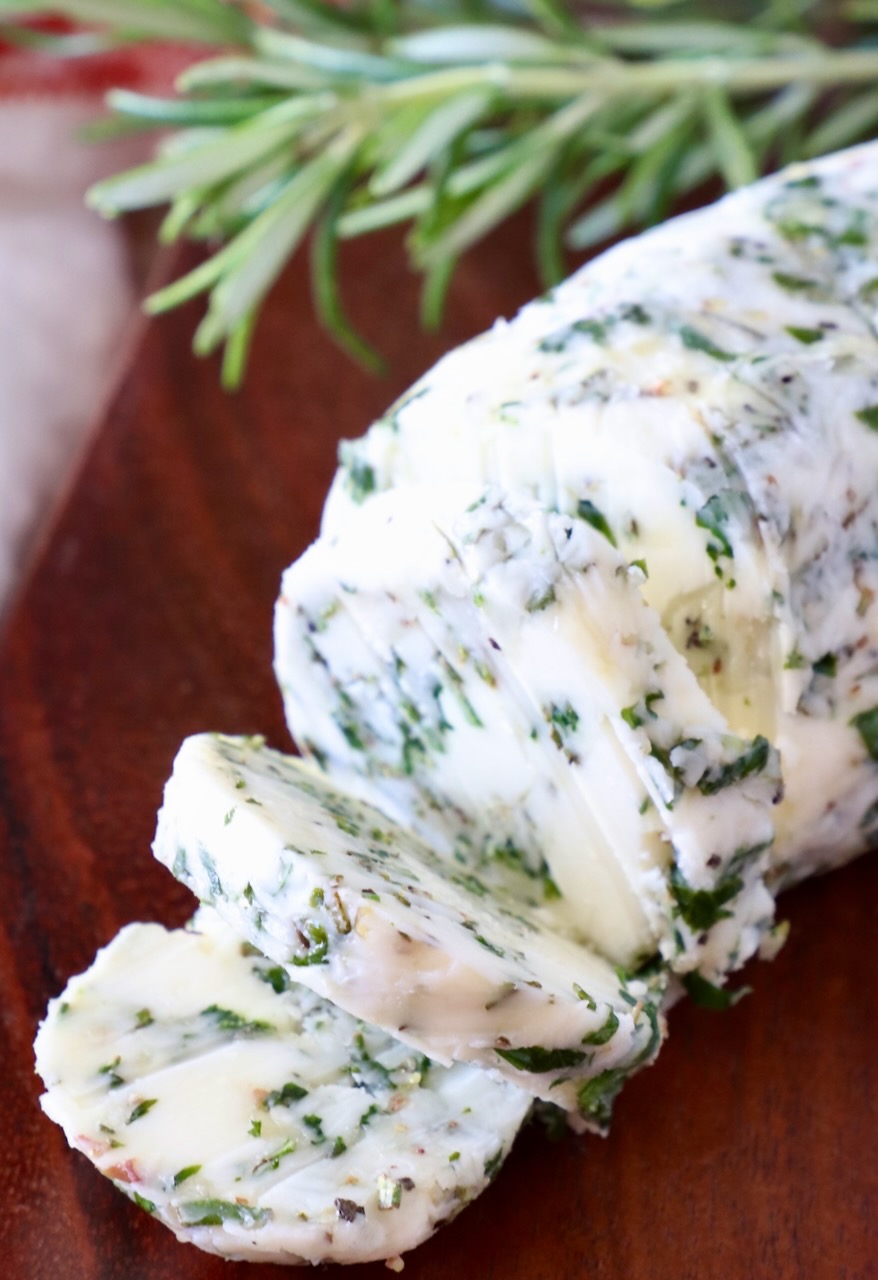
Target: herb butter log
[
  {"x": 365, "y": 914},
  {"x": 708, "y": 393},
  {"x": 255, "y": 1119},
  {"x": 490, "y": 675}
]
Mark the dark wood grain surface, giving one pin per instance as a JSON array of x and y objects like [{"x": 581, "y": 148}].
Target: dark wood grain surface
[{"x": 748, "y": 1151}]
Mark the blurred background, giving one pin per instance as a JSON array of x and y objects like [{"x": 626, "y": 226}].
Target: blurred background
[{"x": 69, "y": 281}]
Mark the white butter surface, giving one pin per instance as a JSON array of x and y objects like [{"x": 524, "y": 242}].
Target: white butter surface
[{"x": 255, "y": 1119}]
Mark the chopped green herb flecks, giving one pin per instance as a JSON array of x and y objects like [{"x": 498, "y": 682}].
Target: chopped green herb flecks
[
  {"x": 213, "y": 1213},
  {"x": 315, "y": 1124},
  {"x": 588, "y": 512},
  {"x": 708, "y": 996},
  {"x": 638, "y": 714},
  {"x": 557, "y": 342},
  {"x": 870, "y": 817},
  {"x": 272, "y": 1161},
  {"x": 793, "y": 284},
  {"x": 752, "y": 760},
  {"x": 369, "y": 1071},
  {"x": 367, "y": 1115},
  {"x": 866, "y": 724},
  {"x": 631, "y": 718},
  {"x": 360, "y": 478},
  {"x": 276, "y": 977},
  {"x": 582, "y": 994},
  {"x": 541, "y": 600},
  {"x": 492, "y": 1165},
  {"x": 604, "y": 1033},
  {"x": 714, "y": 517},
  {"x": 597, "y": 1095},
  {"x": 110, "y": 1070},
  {"x": 389, "y": 1192},
  {"x": 703, "y": 908},
  {"x": 806, "y": 336},
  {"x": 565, "y": 718},
  {"x": 141, "y": 1109},
  {"x": 352, "y": 736},
  {"x": 551, "y": 892},
  {"x": 826, "y": 666},
  {"x": 467, "y": 880},
  {"x": 537, "y": 1059},
  {"x": 148, "y": 1206},
  {"x": 184, "y": 1174},
  {"x": 489, "y": 946},
  {"x": 316, "y": 954},
  {"x": 255, "y": 1130},
  {"x": 213, "y": 880},
  {"x": 339, "y": 1147},
  {"x": 111, "y": 1134},
  {"x": 695, "y": 340},
  {"x": 285, "y": 1096},
  {"x": 144, "y": 1018},
  {"x": 869, "y": 416},
  {"x": 675, "y": 771},
  {"x": 229, "y": 1020},
  {"x": 456, "y": 681}
]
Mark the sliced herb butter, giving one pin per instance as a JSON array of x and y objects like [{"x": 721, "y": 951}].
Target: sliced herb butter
[
  {"x": 711, "y": 390},
  {"x": 255, "y": 1119},
  {"x": 575, "y": 595},
  {"x": 492, "y": 676},
  {"x": 365, "y": 914}
]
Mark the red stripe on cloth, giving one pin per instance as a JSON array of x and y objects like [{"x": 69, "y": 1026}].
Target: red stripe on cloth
[{"x": 149, "y": 68}]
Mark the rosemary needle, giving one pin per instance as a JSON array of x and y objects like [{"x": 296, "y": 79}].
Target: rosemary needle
[{"x": 449, "y": 117}]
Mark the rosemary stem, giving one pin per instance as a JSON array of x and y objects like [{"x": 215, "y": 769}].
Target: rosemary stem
[{"x": 612, "y": 77}]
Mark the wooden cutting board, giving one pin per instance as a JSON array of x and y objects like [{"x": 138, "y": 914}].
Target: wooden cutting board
[{"x": 748, "y": 1151}]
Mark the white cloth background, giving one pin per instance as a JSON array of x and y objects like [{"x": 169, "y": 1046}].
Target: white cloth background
[{"x": 66, "y": 297}]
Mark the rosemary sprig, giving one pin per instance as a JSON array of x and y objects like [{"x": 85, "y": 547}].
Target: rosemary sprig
[{"x": 451, "y": 116}]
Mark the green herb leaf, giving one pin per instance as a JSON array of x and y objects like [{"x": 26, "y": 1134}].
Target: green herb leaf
[
  {"x": 708, "y": 996},
  {"x": 588, "y": 512},
  {"x": 866, "y": 724},
  {"x": 596, "y": 1097},
  {"x": 285, "y": 1096},
  {"x": 538, "y": 1059},
  {"x": 695, "y": 340},
  {"x": 869, "y": 416},
  {"x": 604, "y": 1033},
  {"x": 141, "y": 1109},
  {"x": 753, "y": 759},
  {"x": 714, "y": 517},
  {"x": 703, "y": 908},
  {"x": 229, "y": 1020},
  {"x": 806, "y": 336},
  {"x": 213, "y": 1213}
]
